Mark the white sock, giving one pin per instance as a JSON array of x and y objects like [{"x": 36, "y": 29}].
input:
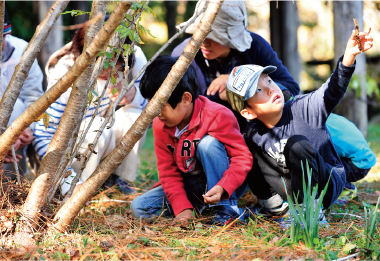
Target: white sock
[{"x": 237, "y": 210}]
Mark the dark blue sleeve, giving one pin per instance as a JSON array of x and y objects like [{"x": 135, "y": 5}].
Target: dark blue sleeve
[
  {"x": 177, "y": 51},
  {"x": 261, "y": 53},
  {"x": 315, "y": 107}
]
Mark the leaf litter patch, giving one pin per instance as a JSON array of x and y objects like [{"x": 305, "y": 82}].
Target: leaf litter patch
[{"x": 105, "y": 229}]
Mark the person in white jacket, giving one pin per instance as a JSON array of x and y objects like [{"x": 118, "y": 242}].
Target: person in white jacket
[
  {"x": 12, "y": 50},
  {"x": 58, "y": 64}
]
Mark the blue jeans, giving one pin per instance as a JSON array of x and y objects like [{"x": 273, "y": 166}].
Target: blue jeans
[{"x": 214, "y": 159}]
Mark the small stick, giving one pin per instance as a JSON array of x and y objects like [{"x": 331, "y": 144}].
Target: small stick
[
  {"x": 357, "y": 36},
  {"x": 15, "y": 164}
]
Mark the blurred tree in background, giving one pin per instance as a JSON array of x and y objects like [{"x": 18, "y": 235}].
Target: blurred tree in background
[{"x": 23, "y": 16}]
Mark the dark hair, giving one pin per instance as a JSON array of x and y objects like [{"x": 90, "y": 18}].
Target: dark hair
[
  {"x": 78, "y": 44},
  {"x": 156, "y": 73}
]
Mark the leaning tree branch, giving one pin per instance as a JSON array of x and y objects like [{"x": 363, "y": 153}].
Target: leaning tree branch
[
  {"x": 81, "y": 63},
  {"x": 69, "y": 211},
  {"x": 115, "y": 41},
  {"x": 40, "y": 187},
  {"x": 65, "y": 133}
]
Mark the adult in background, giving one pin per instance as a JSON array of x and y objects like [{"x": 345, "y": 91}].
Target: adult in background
[
  {"x": 13, "y": 48},
  {"x": 228, "y": 45}
]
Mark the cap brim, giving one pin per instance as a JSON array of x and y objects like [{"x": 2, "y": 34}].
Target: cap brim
[{"x": 269, "y": 69}]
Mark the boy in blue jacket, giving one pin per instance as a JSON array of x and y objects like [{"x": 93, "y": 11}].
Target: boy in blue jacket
[{"x": 285, "y": 134}]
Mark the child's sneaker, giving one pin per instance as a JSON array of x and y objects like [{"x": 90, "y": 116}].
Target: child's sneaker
[
  {"x": 125, "y": 187},
  {"x": 273, "y": 207},
  {"x": 348, "y": 193}
]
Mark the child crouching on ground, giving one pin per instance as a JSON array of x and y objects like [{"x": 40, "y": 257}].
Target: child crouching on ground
[
  {"x": 286, "y": 134},
  {"x": 201, "y": 155}
]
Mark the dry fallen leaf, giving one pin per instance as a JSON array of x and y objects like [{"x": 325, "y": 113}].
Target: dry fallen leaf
[
  {"x": 148, "y": 231},
  {"x": 46, "y": 120},
  {"x": 214, "y": 250}
]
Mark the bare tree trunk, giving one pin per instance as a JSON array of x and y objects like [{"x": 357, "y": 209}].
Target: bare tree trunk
[
  {"x": 70, "y": 210},
  {"x": 352, "y": 107},
  {"x": 26, "y": 61},
  {"x": 40, "y": 187},
  {"x": 36, "y": 109},
  {"x": 170, "y": 17},
  {"x": 75, "y": 106},
  {"x": 284, "y": 24},
  {"x": 72, "y": 117},
  {"x": 53, "y": 42}
]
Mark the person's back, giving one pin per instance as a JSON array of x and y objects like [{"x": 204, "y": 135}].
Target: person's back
[
  {"x": 12, "y": 50},
  {"x": 201, "y": 155},
  {"x": 32, "y": 87},
  {"x": 286, "y": 134}
]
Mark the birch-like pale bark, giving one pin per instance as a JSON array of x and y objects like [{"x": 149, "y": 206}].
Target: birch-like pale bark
[
  {"x": 22, "y": 69},
  {"x": 123, "y": 91},
  {"x": 69, "y": 211},
  {"x": 36, "y": 109},
  {"x": 115, "y": 42},
  {"x": 76, "y": 104},
  {"x": 73, "y": 114}
]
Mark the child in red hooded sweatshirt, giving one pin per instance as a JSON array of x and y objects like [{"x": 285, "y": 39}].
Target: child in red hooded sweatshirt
[{"x": 202, "y": 159}]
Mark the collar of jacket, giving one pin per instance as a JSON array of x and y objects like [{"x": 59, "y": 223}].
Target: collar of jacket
[{"x": 195, "y": 118}]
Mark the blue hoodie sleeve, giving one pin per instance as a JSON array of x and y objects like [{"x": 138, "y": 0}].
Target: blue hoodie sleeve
[
  {"x": 201, "y": 79},
  {"x": 315, "y": 107},
  {"x": 349, "y": 142}
]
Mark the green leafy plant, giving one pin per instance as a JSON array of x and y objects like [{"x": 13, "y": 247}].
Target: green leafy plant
[
  {"x": 371, "y": 221},
  {"x": 305, "y": 218}
]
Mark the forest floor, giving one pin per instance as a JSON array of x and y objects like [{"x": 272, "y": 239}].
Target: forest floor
[{"x": 105, "y": 229}]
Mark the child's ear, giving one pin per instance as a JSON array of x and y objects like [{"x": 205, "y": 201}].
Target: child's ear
[
  {"x": 248, "y": 114},
  {"x": 187, "y": 98}
]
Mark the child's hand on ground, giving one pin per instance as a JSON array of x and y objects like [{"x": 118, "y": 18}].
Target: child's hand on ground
[
  {"x": 184, "y": 217},
  {"x": 352, "y": 48},
  {"x": 214, "y": 195}
]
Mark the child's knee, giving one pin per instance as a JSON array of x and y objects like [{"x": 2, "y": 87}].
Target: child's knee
[
  {"x": 298, "y": 145},
  {"x": 137, "y": 207},
  {"x": 208, "y": 145}
]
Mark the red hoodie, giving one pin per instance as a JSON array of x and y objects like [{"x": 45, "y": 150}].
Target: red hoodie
[{"x": 179, "y": 156}]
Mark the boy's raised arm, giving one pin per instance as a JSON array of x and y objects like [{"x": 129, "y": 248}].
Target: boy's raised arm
[{"x": 318, "y": 105}]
